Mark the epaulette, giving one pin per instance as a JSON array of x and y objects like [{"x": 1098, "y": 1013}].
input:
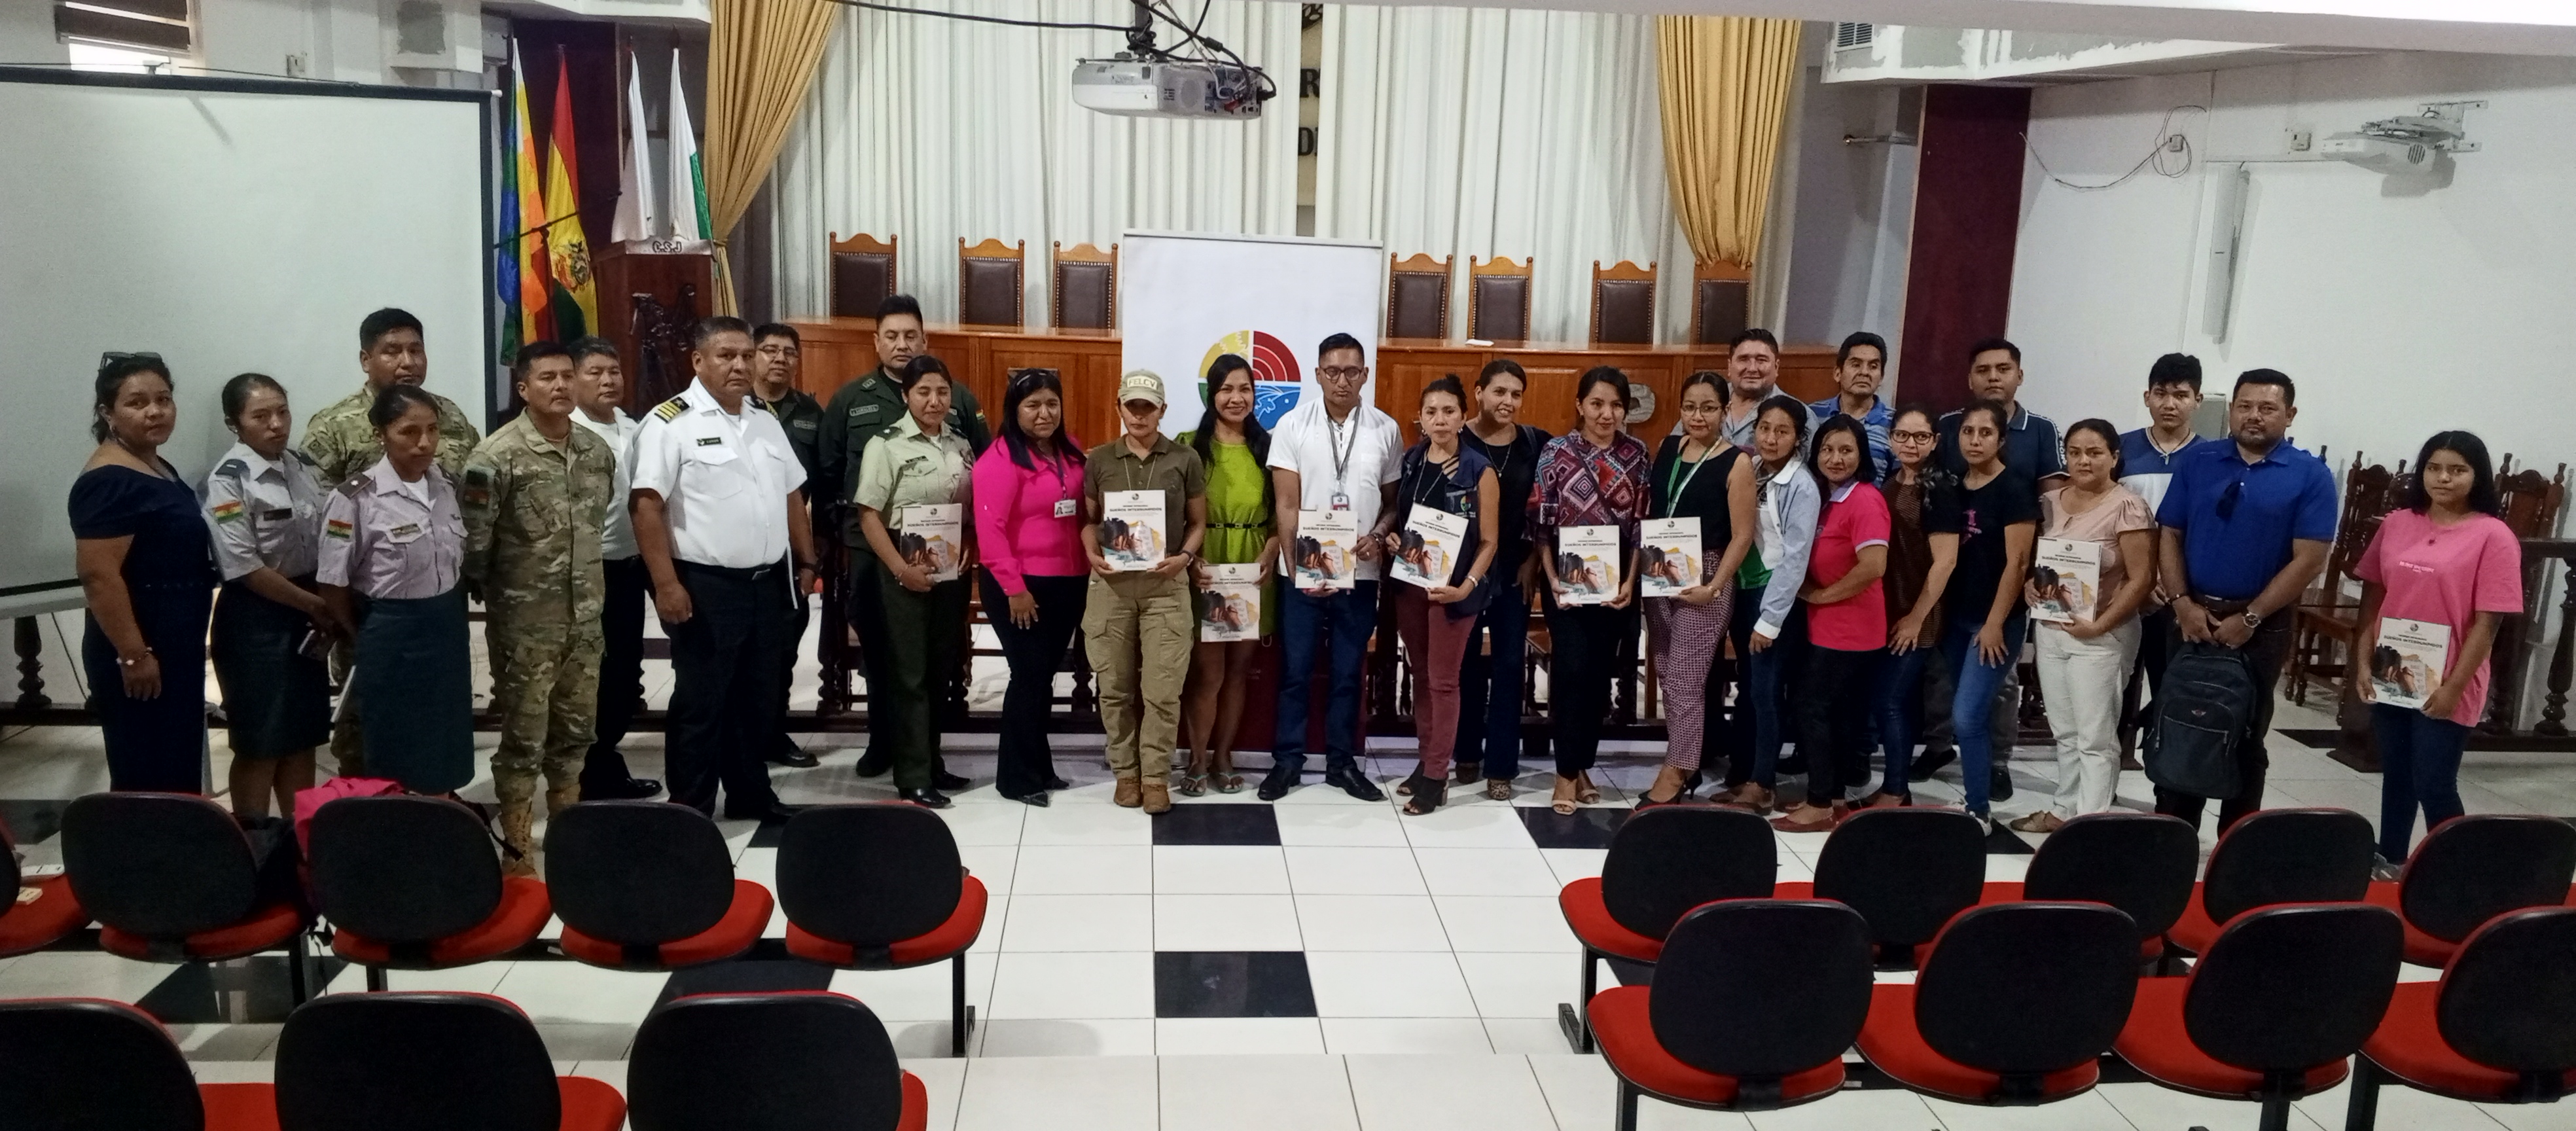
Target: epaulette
[
  {"x": 307, "y": 460},
  {"x": 756, "y": 401},
  {"x": 233, "y": 469},
  {"x": 888, "y": 432},
  {"x": 670, "y": 410},
  {"x": 354, "y": 486}
]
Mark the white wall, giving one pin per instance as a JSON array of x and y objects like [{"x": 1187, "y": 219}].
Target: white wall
[
  {"x": 27, "y": 34},
  {"x": 1854, "y": 216}
]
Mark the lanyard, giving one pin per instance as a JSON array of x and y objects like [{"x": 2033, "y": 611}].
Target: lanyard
[
  {"x": 1342, "y": 448},
  {"x": 1434, "y": 475},
  {"x": 1673, "y": 491}
]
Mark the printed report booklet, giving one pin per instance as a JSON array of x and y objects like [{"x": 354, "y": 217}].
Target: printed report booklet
[
  {"x": 1326, "y": 542},
  {"x": 1231, "y": 608},
  {"x": 1669, "y": 554},
  {"x": 2068, "y": 574},
  {"x": 1594, "y": 576},
  {"x": 2410, "y": 661},
  {"x": 1131, "y": 530},
  {"x": 941, "y": 529},
  {"x": 1432, "y": 538}
]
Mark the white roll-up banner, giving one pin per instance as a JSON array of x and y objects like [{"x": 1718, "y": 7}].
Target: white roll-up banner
[{"x": 1186, "y": 299}]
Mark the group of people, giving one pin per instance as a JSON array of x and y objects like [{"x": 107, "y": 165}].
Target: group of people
[{"x": 1864, "y": 576}]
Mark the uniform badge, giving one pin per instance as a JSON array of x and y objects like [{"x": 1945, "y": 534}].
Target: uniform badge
[
  {"x": 233, "y": 469},
  {"x": 671, "y": 409},
  {"x": 339, "y": 528},
  {"x": 229, "y": 510},
  {"x": 478, "y": 486},
  {"x": 710, "y": 441},
  {"x": 862, "y": 410}
]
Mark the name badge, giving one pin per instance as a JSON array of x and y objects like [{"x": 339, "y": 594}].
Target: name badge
[
  {"x": 407, "y": 532},
  {"x": 1341, "y": 502},
  {"x": 276, "y": 515},
  {"x": 710, "y": 441},
  {"x": 1064, "y": 508}
]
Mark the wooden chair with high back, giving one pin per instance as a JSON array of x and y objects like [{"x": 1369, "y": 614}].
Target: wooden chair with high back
[
  {"x": 1721, "y": 301},
  {"x": 863, "y": 274},
  {"x": 989, "y": 283},
  {"x": 1085, "y": 291},
  {"x": 1417, "y": 296},
  {"x": 2531, "y": 507},
  {"x": 2329, "y": 614},
  {"x": 1498, "y": 299},
  {"x": 1623, "y": 304}
]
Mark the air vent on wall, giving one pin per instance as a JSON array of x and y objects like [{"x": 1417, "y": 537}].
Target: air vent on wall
[
  {"x": 1848, "y": 36},
  {"x": 161, "y": 25}
]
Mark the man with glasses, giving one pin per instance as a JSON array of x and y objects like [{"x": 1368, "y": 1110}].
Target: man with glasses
[
  {"x": 1331, "y": 454},
  {"x": 861, "y": 411},
  {"x": 2247, "y": 525},
  {"x": 2147, "y": 457},
  {"x": 777, "y": 361}
]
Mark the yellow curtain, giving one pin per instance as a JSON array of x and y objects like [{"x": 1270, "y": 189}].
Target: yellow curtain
[
  {"x": 1725, "y": 90},
  {"x": 760, "y": 56}
]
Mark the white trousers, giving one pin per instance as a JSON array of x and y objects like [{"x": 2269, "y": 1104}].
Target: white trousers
[{"x": 2082, "y": 681}]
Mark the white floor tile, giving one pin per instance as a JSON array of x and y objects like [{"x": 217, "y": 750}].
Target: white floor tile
[
  {"x": 2401, "y": 1107},
  {"x": 918, "y": 994},
  {"x": 1504, "y": 922},
  {"x": 1079, "y": 922},
  {"x": 1468, "y": 826},
  {"x": 985, "y": 824},
  {"x": 1530, "y": 1035},
  {"x": 235, "y": 1071},
  {"x": 1125, "y": 1036},
  {"x": 943, "y": 1077},
  {"x": 578, "y": 1041},
  {"x": 2155, "y": 1106},
  {"x": 1522, "y": 985},
  {"x": 993, "y": 864},
  {"x": 1083, "y": 1093},
  {"x": 1354, "y": 871},
  {"x": 1236, "y": 1036},
  {"x": 1257, "y": 1093},
  {"x": 1887, "y": 1108},
  {"x": 215, "y": 1042},
  {"x": 1074, "y": 986},
  {"x": 2087, "y": 1112},
  {"x": 482, "y": 978},
  {"x": 1370, "y": 922},
  {"x": 60, "y": 973},
  {"x": 1486, "y": 1093},
  {"x": 1354, "y": 1035},
  {"x": 1571, "y": 864},
  {"x": 2560, "y": 1116},
  {"x": 575, "y": 993},
  {"x": 1389, "y": 984},
  {"x": 1226, "y": 922},
  {"x": 1583, "y": 1096},
  {"x": 1086, "y": 824},
  {"x": 1215, "y": 869},
  {"x": 1075, "y": 869},
  {"x": 1486, "y": 871},
  {"x": 1341, "y": 826}
]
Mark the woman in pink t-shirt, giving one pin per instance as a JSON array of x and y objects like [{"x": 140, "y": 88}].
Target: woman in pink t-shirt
[
  {"x": 2448, "y": 563},
  {"x": 1028, "y": 535},
  {"x": 2084, "y": 663},
  {"x": 1846, "y": 625}
]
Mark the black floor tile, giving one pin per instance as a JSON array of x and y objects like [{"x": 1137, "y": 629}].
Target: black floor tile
[
  {"x": 1586, "y": 828},
  {"x": 254, "y": 992},
  {"x": 1232, "y": 983},
  {"x": 2005, "y": 842},
  {"x": 765, "y": 968},
  {"x": 32, "y": 821},
  {"x": 1217, "y": 824}
]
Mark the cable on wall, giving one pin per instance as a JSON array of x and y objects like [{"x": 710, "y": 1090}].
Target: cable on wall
[{"x": 2170, "y": 156}]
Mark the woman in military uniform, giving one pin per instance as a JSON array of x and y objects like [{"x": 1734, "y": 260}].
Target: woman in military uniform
[{"x": 919, "y": 462}]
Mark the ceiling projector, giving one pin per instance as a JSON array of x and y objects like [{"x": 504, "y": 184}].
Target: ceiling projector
[{"x": 1167, "y": 88}]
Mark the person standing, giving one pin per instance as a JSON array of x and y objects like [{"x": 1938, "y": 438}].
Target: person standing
[
  {"x": 271, "y": 625},
  {"x": 722, "y": 530},
  {"x": 1787, "y": 502},
  {"x": 1985, "y": 622},
  {"x": 2246, "y": 527},
  {"x": 1332, "y": 453},
  {"x": 2083, "y": 665},
  {"x": 775, "y": 373},
  {"x": 1235, "y": 450},
  {"x": 393, "y": 550},
  {"x": 599, "y": 387},
  {"x": 1922, "y": 551},
  {"x": 1697, "y": 475},
  {"x": 919, "y": 462},
  {"x": 858, "y": 414},
  {"x": 1858, "y": 367},
  {"x": 1139, "y": 626},
  {"x": 1435, "y": 623},
  {"x": 2447, "y": 559},
  {"x": 535, "y": 491},
  {"x": 1752, "y": 377},
  {"x": 2147, "y": 458},
  {"x": 1489, "y": 675},
  {"x": 1597, "y": 475},
  {"x": 147, "y": 570},
  {"x": 1028, "y": 535},
  {"x": 1846, "y": 623}
]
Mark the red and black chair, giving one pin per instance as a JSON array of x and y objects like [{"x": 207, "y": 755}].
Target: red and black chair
[
  {"x": 1662, "y": 862},
  {"x": 2274, "y": 1010},
  {"x": 1712, "y": 1031},
  {"x": 1907, "y": 871},
  {"x": 70, "y": 1064},
  {"x": 2471, "y": 869},
  {"x": 414, "y": 883},
  {"x": 648, "y": 885},
  {"x": 805, "y": 1061},
  {"x": 171, "y": 877},
  {"x": 2277, "y": 856},
  {"x": 34, "y": 926},
  {"x": 428, "y": 1062},
  {"x": 2015, "y": 1005},
  {"x": 2141, "y": 863},
  {"x": 879, "y": 886},
  {"x": 2494, "y": 1030}
]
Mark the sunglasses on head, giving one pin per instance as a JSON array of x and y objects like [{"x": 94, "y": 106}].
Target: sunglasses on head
[{"x": 111, "y": 357}]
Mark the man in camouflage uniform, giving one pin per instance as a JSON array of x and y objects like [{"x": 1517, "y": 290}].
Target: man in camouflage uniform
[
  {"x": 535, "y": 494},
  {"x": 343, "y": 446}
]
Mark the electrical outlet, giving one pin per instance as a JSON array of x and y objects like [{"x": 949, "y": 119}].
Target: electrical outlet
[
  {"x": 2300, "y": 139},
  {"x": 2174, "y": 143},
  {"x": 295, "y": 65}
]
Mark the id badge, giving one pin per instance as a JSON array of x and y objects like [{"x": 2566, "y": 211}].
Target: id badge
[
  {"x": 1341, "y": 502},
  {"x": 1064, "y": 508}
]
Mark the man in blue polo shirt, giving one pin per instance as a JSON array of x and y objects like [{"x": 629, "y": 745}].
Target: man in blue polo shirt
[
  {"x": 1858, "y": 367},
  {"x": 2247, "y": 525},
  {"x": 2147, "y": 457}
]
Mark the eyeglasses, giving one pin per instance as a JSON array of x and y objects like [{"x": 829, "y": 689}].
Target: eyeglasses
[
  {"x": 111, "y": 358},
  {"x": 1911, "y": 437},
  {"x": 1340, "y": 372}
]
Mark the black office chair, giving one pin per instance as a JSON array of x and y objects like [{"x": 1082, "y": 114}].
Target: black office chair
[
  {"x": 2141, "y": 863},
  {"x": 2472, "y": 869},
  {"x": 879, "y": 886},
  {"x": 1907, "y": 871},
  {"x": 806, "y": 1061},
  {"x": 1662, "y": 862},
  {"x": 2277, "y": 856},
  {"x": 415, "y": 883},
  {"x": 2494, "y": 1030},
  {"x": 2015, "y": 1005},
  {"x": 70, "y": 1064},
  {"x": 171, "y": 877},
  {"x": 648, "y": 885},
  {"x": 428, "y": 1062}
]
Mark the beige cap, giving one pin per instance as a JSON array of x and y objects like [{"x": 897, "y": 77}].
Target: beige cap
[{"x": 1141, "y": 385}]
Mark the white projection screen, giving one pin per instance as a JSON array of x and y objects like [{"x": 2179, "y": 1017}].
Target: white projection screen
[{"x": 230, "y": 226}]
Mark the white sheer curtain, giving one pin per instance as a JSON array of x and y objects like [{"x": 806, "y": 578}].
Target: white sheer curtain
[
  {"x": 934, "y": 129},
  {"x": 1493, "y": 132}
]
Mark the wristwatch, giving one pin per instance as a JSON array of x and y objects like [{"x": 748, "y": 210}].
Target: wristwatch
[{"x": 2253, "y": 619}]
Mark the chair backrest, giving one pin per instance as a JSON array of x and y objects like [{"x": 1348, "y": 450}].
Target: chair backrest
[
  {"x": 1715, "y": 1003},
  {"x": 1623, "y": 304},
  {"x": 413, "y": 1062},
  {"x": 2288, "y": 856},
  {"x": 863, "y": 274},
  {"x": 815, "y": 1061},
  {"x": 2531, "y": 503},
  {"x": 2474, "y": 868},
  {"x": 1417, "y": 296},
  {"x": 637, "y": 873},
  {"x": 1721, "y": 302},
  {"x": 2506, "y": 998},
  {"x": 1498, "y": 299},
  {"x": 2027, "y": 989},
  {"x": 158, "y": 865},
  {"x": 868, "y": 874},
  {"x": 2141, "y": 863},
  {"x": 1085, "y": 294},
  {"x": 989, "y": 292},
  {"x": 1667, "y": 860},
  {"x": 69, "y": 1064},
  {"x": 2293, "y": 986},
  {"x": 1907, "y": 871},
  {"x": 403, "y": 870}
]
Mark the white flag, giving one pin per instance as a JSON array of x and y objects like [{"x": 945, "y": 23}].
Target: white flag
[
  {"x": 688, "y": 182},
  {"x": 636, "y": 216}
]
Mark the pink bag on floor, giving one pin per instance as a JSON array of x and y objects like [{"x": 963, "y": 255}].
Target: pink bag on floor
[{"x": 310, "y": 801}]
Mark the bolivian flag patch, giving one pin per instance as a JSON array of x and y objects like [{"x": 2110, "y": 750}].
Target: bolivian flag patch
[
  {"x": 340, "y": 528},
  {"x": 229, "y": 510}
]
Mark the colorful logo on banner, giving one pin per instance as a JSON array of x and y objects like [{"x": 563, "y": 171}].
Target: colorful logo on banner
[{"x": 1274, "y": 372}]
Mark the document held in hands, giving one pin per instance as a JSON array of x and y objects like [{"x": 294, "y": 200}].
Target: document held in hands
[
  {"x": 2411, "y": 660},
  {"x": 2067, "y": 572},
  {"x": 1668, "y": 556},
  {"x": 1230, "y": 609},
  {"x": 1326, "y": 541},
  {"x": 933, "y": 538},
  {"x": 1131, "y": 530},
  {"x": 1430, "y": 543},
  {"x": 1587, "y": 564}
]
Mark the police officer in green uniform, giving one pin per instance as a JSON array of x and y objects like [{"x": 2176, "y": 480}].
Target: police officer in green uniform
[
  {"x": 344, "y": 445},
  {"x": 776, "y": 362},
  {"x": 860, "y": 412}
]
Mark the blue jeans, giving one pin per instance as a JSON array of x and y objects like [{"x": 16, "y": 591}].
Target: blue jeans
[
  {"x": 2419, "y": 763},
  {"x": 1489, "y": 686},
  {"x": 1341, "y": 622},
  {"x": 1765, "y": 682},
  {"x": 1973, "y": 707},
  {"x": 1896, "y": 706}
]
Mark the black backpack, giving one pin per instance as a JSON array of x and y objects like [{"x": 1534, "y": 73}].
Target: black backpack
[{"x": 2202, "y": 707}]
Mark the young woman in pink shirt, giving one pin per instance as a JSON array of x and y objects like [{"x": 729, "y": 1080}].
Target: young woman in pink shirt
[
  {"x": 1028, "y": 528},
  {"x": 1846, "y": 625},
  {"x": 2444, "y": 559}
]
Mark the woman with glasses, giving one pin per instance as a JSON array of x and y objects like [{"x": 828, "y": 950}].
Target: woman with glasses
[
  {"x": 1490, "y": 671},
  {"x": 1701, "y": 477},
  {"x": 147, "y": 569},
  {"x": 1597, "y": 476},
  {"x": 1846, "y": 624},
  {"x": 1997, "y": 515},
  {"x": 1241, "y": 530},
  {"x": 1028, "y": 535},
  {"x": 2084, "y": 664},
  {"x": 1922, "y": 550},
  {"x": 1786, "y": 503},
  {"x": 917, "y": 465}
]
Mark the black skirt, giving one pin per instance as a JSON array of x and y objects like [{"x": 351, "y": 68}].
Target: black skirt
[
  {"x": 415, "y": 685},
  {"x": 277, "y": 699}
]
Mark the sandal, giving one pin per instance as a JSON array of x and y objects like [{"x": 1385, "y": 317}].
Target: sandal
[
  {"x": 1584, "y": 791},
  {"x": 1747, "y": 796},
  {"x": 1427, "y": 793},
  {"x": 1469, "y": 773},
  {"x": 1228, "y": 782},
  {"x": 1804, "y": 818},
  {"x": 2039, "y": 822},
  {"x": 1192, "y": 785},
  {"x": 1563, "y": 800},
  {"x": 1680, "y": 784},
  {"x": 1498, "y": 789}
]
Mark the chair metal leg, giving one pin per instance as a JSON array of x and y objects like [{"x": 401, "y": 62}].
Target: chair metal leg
[
  {"x": 298, "y": 987},
  {"x": 1627, "y": 1106},
  {"x": 961, "y": 1016},
  {"x": 1571, "y": 1018},
  {"x": 376, "y": 981},
  {"x": 2362, "y": 1114},
  {"x": 2276, "y": 1113}
]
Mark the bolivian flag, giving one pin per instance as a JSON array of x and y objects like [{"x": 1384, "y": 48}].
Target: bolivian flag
[
  {"x": 576, "y": 306},
  {"x": 536, "y": 316}
]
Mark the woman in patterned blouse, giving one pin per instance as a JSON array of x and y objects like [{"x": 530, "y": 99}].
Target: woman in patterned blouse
[{"x": 1597, "y": 476}]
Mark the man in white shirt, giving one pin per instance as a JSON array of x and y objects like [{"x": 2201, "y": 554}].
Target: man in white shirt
[
  {"x": 719, "y": 506},
  {"x": 599, "y": 386},
  {"x": 1334, "y": 453}
]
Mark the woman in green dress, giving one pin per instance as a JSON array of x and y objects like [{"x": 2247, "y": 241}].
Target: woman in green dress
[{"x": 1241, "y": 531}]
